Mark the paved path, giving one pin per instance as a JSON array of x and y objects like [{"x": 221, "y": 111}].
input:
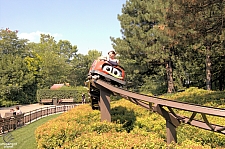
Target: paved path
[{"x": 23, "y": 108}]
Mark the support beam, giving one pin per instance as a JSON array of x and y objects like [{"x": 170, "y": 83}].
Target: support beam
[
  {"x": 168, "y": 116},
  {"x": 171, "y": 133},
  {"x": 104, "y": 105}
]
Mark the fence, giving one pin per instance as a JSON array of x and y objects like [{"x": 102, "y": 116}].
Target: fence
[{"x": 11, "y": 123}]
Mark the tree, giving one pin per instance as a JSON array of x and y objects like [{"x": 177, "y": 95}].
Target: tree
[
  {"x": 199, "y": 25},
  {"x": 80, "y": 66},
  {"x": 66, "y": 50},
  {"x": 16, "y": 79},
  {"x": 11, "y": 44},
  {"x": 144, "y": 47},
  {"x": 53, "y": 67}
]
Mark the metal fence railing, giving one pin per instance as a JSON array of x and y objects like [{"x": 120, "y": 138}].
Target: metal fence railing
[{"x": 12, "y": 122}]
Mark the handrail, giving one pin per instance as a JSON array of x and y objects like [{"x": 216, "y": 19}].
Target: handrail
[{"x": 11, "y": 123}]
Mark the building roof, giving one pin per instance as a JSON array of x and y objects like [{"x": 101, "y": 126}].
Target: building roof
[{"x": 56, "y": 86}]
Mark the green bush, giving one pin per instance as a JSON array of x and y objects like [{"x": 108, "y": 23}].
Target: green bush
[
  {"x": 131, "y": 127},
  {"x": 63, "y": 93},
  {"x": 198, "y": 96}
]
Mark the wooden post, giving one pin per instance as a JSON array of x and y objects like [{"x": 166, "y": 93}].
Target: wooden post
[
  {"x": 104, "y": 105},
  {"x": 171, "y": 133}
]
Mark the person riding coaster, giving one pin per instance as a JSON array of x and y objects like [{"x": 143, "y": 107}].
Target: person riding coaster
[
  {"x": 111, "y": 58},
  {"x": 107, "y": 68}
]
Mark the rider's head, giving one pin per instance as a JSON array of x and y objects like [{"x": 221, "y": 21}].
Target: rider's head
[{"x": 112, "y": 52}]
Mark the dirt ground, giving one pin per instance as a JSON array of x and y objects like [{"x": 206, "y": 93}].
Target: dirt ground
[{"x": 23, "y": 108}]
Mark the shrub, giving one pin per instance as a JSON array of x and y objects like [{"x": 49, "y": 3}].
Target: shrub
[
  {"x": 132, "y": 127},
  {"x": 198, "y": 96},
  {"x": 64, "y": 92}
]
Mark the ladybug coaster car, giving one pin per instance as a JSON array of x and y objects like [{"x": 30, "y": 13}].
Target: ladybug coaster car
[{"x": 108, "y": 72}]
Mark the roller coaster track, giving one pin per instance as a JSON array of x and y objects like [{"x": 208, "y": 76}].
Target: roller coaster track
[{"x": 165, "y": 108}]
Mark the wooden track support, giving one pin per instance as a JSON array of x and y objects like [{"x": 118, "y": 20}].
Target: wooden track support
[
  {"x": 163, "y": 107},
  {"x": 104, "y": 105}
]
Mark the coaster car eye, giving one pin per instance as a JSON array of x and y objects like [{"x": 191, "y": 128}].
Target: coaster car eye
[
  {"x": 117, "y": 72},
  {"x": 107, "y": 68}
]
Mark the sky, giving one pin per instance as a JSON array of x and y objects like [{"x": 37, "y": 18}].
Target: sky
[{"x": 88, "y": 24}]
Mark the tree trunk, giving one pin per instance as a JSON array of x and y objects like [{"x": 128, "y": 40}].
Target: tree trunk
[
  {"x": 221, "y": 82},
  {"x": 169, "y": 73},
  {"x": 208, "y": 72}
]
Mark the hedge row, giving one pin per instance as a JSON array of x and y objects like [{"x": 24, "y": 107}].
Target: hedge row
[
  {"x": 131, "y": 127},
  {"x": 62, "y": 94}
]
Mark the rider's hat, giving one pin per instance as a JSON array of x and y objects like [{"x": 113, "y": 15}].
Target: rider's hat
[{"x": 112, "y": 52}]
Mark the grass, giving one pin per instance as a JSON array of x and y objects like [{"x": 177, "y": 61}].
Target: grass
[{"x": 24, "y": 138}]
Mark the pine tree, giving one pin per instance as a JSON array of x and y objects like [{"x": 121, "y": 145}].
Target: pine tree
[
  {"x": 199, "y": 26},
  {"x": 144, "y": 46}
]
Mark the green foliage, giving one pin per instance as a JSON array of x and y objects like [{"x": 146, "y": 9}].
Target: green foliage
[
  {"x": 53, "y": 60},
  {"x": 198, "y": 96},
  {"x": 203, "y": 137},
  {"x": 154, "y": 34},
  {"x": 195, "y": 31},
  {"x": 206, "y": 98},
  {"x": 153, "y": 84},
  {"x": 181, "y": 33},
  {"x": 80, "y": 67},
  {"x": 6, "y": 103},
  {"x": 17, "y": 83},
  {"x": 122, "y": 115},
  {"x": 81, "y": 128},
  {"x": 145, "y": 48},
  {"x": 11, "y": 44},
  {"x": 64, "y": 92},
  {"x": 27, "y": 67},
  {"x": 66, "y": 50},
  {"x": 84, "y": 129}
]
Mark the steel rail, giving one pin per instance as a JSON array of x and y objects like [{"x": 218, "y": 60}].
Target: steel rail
[
  {"x": 191, "y": 121},
  {"x": 156, "y": 104},
  {"x": 160, "y": 101}
]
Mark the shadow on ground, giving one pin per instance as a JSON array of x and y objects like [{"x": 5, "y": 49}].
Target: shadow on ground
[{"x": 123, "y": 116}]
